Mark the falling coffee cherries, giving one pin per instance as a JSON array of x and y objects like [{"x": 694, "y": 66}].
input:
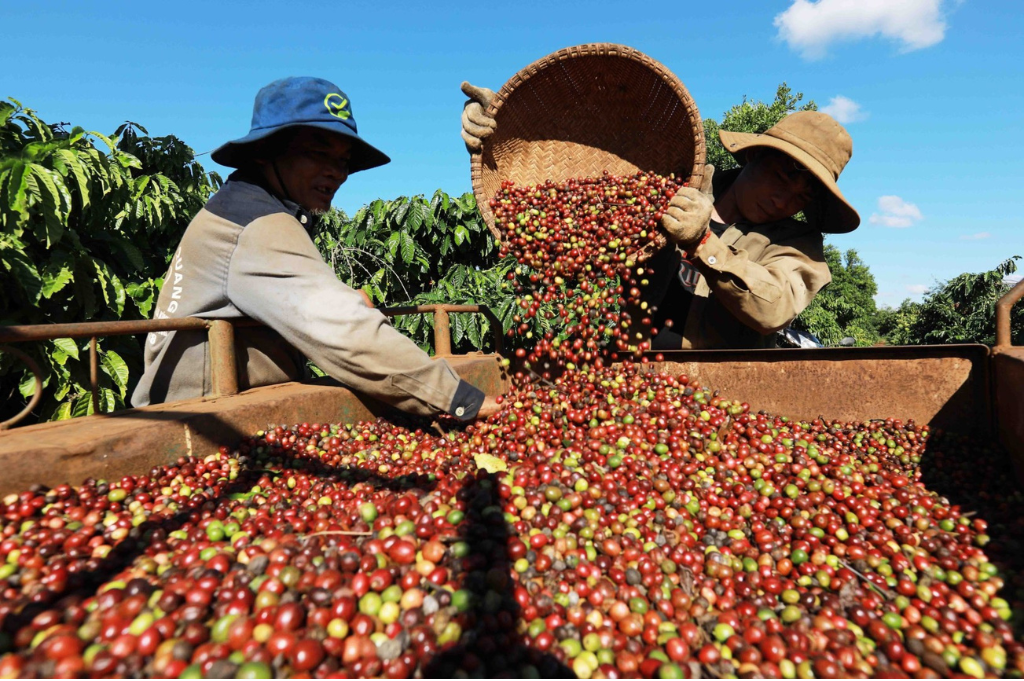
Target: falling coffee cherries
[{"x": 583, "y": 237}]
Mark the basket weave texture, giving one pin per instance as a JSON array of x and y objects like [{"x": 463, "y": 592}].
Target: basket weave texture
[{"x": 584, "y": 110}]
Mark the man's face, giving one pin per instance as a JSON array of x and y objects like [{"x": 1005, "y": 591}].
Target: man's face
[
  {"x": 772, "y": 187},
  {"x": 312, "y": 166}
]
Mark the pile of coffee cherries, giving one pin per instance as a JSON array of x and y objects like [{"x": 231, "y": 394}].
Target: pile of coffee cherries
[
  {"x": 583, "y": 239},
  {"x": 620, "y": 522}
]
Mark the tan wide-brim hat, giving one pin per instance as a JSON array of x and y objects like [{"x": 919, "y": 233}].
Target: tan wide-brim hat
[{"x": 817, "y": 142}]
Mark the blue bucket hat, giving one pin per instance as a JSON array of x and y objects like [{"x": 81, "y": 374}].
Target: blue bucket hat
[{"x": 296, "y": 102}]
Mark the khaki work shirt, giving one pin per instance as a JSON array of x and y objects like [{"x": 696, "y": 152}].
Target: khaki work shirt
[
  {"x": 247, "y": 254},
  {"x": 755, "y": 280}
]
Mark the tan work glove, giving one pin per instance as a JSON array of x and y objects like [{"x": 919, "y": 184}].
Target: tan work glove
[
  {"x": 476, "y": 124},
  {"x": 688, "y": 216}
]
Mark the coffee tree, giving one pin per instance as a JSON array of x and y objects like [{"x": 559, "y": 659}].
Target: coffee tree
[
  {"x": 88, "y": 223},
  {"x": 961, "y": 310},
  {"x": 420, "y": 251},
  {"x": 845, "y": 308},
  {"x": 753, "y": 117}
]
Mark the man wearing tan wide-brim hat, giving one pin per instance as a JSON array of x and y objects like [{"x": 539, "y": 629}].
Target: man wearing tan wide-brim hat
[
  {"x": 741, "y": 268},
  {"x": 820, "y": 145},
  {"x": 746, "y": 267}
]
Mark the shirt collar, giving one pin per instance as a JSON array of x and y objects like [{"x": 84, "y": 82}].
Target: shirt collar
[{"x": 304, "y": 217}]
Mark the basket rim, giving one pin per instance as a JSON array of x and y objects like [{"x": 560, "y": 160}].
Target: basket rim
[{"x": 580, "y": 51}]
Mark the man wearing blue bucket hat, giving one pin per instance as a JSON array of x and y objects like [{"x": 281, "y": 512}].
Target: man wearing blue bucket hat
[{"x": 247, "y": 253}]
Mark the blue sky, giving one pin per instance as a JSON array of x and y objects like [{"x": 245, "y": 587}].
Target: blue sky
[{"x": 933, "y": 90}]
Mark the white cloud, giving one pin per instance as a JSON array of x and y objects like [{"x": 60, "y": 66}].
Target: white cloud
[
  {"x": 812, "y": 26},
  {"x": 844, "y": 110},
  {"x": 975, "y": 237},
  {"x": 1013, "y": 279},
  {"x": 896, "y": 213},
  {"x": 917, "y": 289}
]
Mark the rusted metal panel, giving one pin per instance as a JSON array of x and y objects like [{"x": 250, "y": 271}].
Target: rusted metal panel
[
  {"x": 945, "y": 386},
  {"x": 131, "y": 442},
  {"x": 1008, "y": 389}
]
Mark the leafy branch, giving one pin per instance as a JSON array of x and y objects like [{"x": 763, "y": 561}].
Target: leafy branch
[{"x": 88, "y": 223}]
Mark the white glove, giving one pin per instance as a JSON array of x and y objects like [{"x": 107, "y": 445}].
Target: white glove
[
  {"x": 476, "y": 124},
  {"x": 688, "y": 216}
]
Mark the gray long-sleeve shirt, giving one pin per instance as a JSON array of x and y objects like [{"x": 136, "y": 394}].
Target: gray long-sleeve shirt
[{"x": 247, "y": 254}]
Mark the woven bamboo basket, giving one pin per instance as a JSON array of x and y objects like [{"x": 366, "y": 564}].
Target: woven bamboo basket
[{"x": 584, "y": 110}]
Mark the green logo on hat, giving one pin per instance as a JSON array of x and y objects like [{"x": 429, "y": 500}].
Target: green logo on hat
[{"x": 337, "y": 106}]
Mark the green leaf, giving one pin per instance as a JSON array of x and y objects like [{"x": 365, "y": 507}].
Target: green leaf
[
  {"x": 17, "y": 187},
  {"x": 24, "y": 272},
  {"x": 144, "y": 295},
  {"x": 473, "y": 331},
  {"x": 55, "y": 277},
  {"x": 63, "y": 412},
  {"x": 418, "y": 214},
  {"x": 110, "y": 285},
  {"x": 458, "y": 328},
  {"x": 458, "y": 277},
  {"x": 400, "y": 214},
  {"x": 392, "y": 244},
  {"x": 67, "y": 346},
  {"x": 108, "y": 400},
  {"x": 461, "y": 235},
  {"x": 6, "y": 111},
  {"x": 408, "y": 248},
  {"x": 505, "y": 312},
  {"x": 128, "y": 160},
  {"x": 55, "y": 202},
  {"x": 377, "y": 211},
  {"x": 82, "y": 405},
  {"x": 116, "y": 368},
  {"x": 27, "y": 386},
  {"x": 106, "y": 140},
  {"x": 62, "y": 391},
  {"x": 78, "y": 172},
  {"x": 131, "y": 253},
  {"x": 120, "y": 295}
]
